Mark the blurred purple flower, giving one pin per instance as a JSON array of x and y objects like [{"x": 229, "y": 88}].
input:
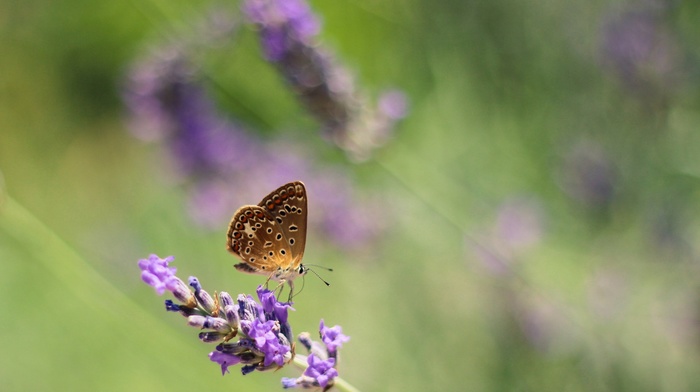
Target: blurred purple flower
[
  {"x": 285, "y": 24},
  {"x": 287, "y": 31},
  {"x": 226, "y": 165},
  {"x": 393, "y": 104},
  {"x": 640, "y": 48},
  {"x": 544, "y": 323},
  {"x": 588, "y": 175},
  {"x": 675, "y": 316},
  {"x": 519, "y": 225}
]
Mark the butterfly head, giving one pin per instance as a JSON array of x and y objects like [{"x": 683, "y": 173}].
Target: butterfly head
[{"x": 290, "y": 274}]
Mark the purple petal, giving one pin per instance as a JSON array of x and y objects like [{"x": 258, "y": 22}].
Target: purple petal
[{"x": 223, "y": 359}]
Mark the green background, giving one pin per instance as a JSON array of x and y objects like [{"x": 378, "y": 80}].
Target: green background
[{"x": 501, "y": 93}]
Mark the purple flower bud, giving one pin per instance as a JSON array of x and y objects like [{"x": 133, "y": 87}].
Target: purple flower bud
[
  {"x": 393, "y": 104},
  {"x": 231, "y": 313},
  {"x": 305, "y": 339},
  {"x": 197, "y": 321},
  {"x": 194, "y": 283},
  {"x": 312, "y": 346},
  {"x": 212, "y": 336},
  {"x": 203, "y": 298},
  {"x": 238, "y": 348},
  {"x": 248, "y": 309},
  {"x": 248, "y": 369},
  {"x": 208, "y": 322},
  {"x": 289, "y": 382},
  {"x": 226, "y": 299},
  {"x": 181, "y": 292},
  {"x": 171, "y": 306}
]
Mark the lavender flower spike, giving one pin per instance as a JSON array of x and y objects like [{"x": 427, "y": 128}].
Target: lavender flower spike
[
  {"x": 287, "y": 31},
  {"x": 255, "y": 335}
]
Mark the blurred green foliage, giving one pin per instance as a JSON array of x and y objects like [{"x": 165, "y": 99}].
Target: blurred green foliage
[{"x": 509, "y": 101}]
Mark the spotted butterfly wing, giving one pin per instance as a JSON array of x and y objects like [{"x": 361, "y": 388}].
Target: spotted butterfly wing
[{"x": 270, "y": 237}]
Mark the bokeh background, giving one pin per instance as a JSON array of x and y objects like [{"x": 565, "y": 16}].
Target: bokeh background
[{"x": 530, "y": 225}]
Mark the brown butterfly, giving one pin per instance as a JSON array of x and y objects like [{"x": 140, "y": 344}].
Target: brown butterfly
[{"x": 270, "y": 237}]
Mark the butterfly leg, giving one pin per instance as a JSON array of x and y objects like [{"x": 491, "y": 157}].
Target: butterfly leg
[
  {"x": 267, "y": 281},
  {"x": 280, "y": 286},
  {"x": 291, "y": 290}
]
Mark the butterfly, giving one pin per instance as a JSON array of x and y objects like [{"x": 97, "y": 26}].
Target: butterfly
[{"x": 270, "y": 237}]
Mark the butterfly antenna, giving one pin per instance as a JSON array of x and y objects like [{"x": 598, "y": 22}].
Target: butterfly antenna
[
  {"x": 319, "y": 266},
  {"x": 319, "y": 276}
]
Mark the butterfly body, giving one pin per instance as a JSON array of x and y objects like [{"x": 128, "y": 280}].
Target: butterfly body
[{"x": 270, "y": 237}]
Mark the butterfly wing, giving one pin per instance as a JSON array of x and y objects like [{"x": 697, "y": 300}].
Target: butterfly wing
[
  {"x": 270, "y": 237},
  {"x": 288, "y": 207},
  {"x": 255, "y": 236}
]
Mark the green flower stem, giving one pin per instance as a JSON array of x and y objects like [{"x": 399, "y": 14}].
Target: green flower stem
[{"x": 300, "y": 362}]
